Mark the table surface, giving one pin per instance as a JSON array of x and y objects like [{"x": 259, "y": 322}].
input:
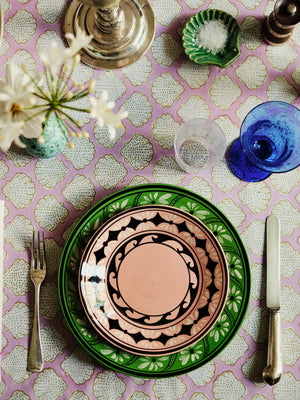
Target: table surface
[{"x": 160, "y": 91}]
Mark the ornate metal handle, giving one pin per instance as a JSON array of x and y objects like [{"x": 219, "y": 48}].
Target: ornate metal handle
[
  {"x": 35, "y": 358},
  {"x": 108, "y": 15},
  {"x": 272, "y": 372}
]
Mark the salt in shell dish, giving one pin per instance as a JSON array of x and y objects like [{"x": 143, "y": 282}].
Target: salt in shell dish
[{"x": 200, "y": 55}]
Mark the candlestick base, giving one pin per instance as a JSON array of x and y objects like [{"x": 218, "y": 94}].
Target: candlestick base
[{"x": 115, "y": 44}]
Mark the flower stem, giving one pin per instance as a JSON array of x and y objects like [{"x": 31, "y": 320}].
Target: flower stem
[
  {"x": 60, "y": 81},
  {"x": 69, "y": 75},
  {"x": 35, "y": 115},
  {"x": 75, "y": 108},
  {"x": 70, "y": 118},
  {"x": 49, "y": 80},
  {"x": 66, "y": 83},
  {"x": 43, "y": 95},
  {"x": 35, "y": 106},
  {"x": 76, "y": 96}
]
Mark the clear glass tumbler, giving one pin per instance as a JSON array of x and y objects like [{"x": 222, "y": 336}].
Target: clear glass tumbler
[{"x": 199, "y": 144}]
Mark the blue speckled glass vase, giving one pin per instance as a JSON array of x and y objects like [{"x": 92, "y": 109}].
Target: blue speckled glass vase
[
  {"x": 269, "y": 142},
  {"x": 55, "y": 134}
]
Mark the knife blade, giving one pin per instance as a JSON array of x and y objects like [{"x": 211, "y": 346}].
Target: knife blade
[
  {"x": 272, "y": 372},
  {"x": 273, "y": 262}
]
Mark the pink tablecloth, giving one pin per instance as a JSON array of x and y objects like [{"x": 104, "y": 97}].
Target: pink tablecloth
[{"x": 160, "y": 91}]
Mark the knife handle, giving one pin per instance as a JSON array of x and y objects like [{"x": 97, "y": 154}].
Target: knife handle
[{"x": 273, "y": 370}]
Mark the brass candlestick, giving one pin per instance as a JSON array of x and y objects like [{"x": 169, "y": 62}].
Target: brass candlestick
[
  {"x": 123, "y": 30},
  {"x": 279, "y": 25}
]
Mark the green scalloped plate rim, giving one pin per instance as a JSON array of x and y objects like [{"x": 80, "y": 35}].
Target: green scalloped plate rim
[
  {"x": 205, "y": 349},
  {"x": 200, "y": 55}
]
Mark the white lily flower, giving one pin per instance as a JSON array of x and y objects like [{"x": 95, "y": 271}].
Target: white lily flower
[
  {"x": 100, "y": 107},
  {"x": 9, "y": 132},
  {"x": 30, "y": 124},
  {"x": 17, "y": 88},
  {"x": 33, "y": 124},
  {"x": 101, "y": 110},
  {"x": 113, "y": 121},
  {"x": 54, "y": 57},
  {"x": 81, "y": 40},
  {"x": 17, "y": 100}
]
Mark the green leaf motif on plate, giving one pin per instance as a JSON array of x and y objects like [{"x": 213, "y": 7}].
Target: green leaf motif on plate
[
  {"x": 194, "y": 209},
  {"x": 117, "y": 207},
  {"x": 235, "y": 267},
  {"x": 220, "y": 232},
  {"x": 152, "y": 363},
  {"x": 75, "y": 258},
  {"x": 86, "y": 328},
  {"x": 73, "y": 295},
  {"x": 220, "y": 329},
  {"x": 90, "y": 228},
  {"x": 115, "y": 354},
  {"x": 234, "y": 299},
  {"x": 155, "y": 198},
  {"x": 191, "y": 354}
]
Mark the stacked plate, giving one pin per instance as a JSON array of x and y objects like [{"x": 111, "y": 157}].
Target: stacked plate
[{"x": 154, "y": 281}]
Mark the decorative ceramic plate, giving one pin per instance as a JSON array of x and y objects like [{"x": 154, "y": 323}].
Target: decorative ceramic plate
[
  {"x": 153, "y": 280},
  {"x": 204, "y": 349}
]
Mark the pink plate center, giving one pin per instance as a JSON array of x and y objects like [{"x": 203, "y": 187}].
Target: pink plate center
[{"x": 153, "y": 279}]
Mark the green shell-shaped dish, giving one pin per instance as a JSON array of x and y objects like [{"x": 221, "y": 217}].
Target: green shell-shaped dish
[{"x": 200, "y": 55}]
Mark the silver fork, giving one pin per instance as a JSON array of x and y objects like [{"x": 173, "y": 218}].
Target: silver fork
[{"x": 38, "y": 273}]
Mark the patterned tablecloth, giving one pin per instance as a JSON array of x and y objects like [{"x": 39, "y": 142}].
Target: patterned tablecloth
[{"x": 160, "y": 91}]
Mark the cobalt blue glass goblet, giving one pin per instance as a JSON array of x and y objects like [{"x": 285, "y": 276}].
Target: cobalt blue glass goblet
[{"x": 269, "y": 142}]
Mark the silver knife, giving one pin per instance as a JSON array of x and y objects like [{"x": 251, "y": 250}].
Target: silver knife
[{"x": 272, "y": 372}]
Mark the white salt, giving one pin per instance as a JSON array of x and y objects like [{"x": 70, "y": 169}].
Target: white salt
[{"x": 212, "y": 36}]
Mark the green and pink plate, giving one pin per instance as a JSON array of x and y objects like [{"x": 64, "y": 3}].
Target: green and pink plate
[{"x": 154, "y": 281}]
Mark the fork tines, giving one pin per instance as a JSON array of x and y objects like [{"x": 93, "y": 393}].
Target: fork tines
[{"x": 38, "y": 259}]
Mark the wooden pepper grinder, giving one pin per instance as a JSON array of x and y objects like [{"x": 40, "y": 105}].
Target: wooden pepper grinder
[{"x": 279, "y": 25}]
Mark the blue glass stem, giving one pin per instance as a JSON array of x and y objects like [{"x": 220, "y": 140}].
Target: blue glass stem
[{"x": 242, "y": 167}]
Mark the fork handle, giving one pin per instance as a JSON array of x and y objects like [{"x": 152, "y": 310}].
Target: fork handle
[{"x": 35, "y": 358}]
